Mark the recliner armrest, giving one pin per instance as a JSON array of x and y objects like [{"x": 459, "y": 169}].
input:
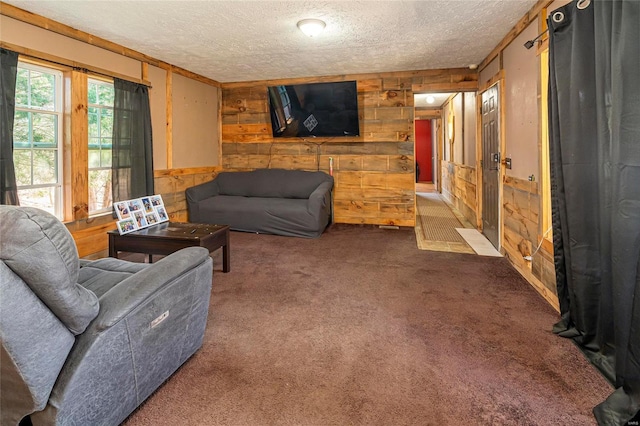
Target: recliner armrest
[{"x": 124, "y": 297}]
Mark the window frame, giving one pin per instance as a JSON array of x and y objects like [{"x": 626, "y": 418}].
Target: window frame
[
  {"x": 545, "y": 237},
  {"x": 100, "y": 82},
  {"x": 58, "y": 112}
]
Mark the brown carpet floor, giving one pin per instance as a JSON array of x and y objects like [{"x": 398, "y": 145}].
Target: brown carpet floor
[{"x": 359, "y": 327}]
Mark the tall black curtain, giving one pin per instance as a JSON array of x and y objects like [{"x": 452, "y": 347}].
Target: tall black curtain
[
  {"x": 132, "y": 154},
  {"x": 8, "y": 73},
  {"x": 594, "y": 116}
]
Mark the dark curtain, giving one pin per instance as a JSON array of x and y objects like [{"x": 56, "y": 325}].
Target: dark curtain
[
  {"x": 132, "y": 155},
  {"x": 8, "y": 73},
  {"x": 594, "y": 116}
]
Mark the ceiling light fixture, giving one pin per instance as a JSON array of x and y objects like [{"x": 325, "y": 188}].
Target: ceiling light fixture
[
  {"x": 311, "y": 27},
  {"x": 430, "y": 99}
]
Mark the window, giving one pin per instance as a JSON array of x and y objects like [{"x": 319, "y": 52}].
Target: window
[
  {"x": 37, "y": 137},
  {"x": 100, "y": 105}
]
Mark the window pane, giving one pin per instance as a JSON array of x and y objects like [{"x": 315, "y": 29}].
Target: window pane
[
  {"x": 94, "y": 130},
  {"x": 93, "y": 93},
  {"x": 22, "y": 88},
  {"x": 106, "y": 123},
  {"x": 42, "y": 91},
  {"x": 44, "y": 129},
  {"x": 99, "y": 190},
  {"x": 105, "y": 155},
  {"x": 94, "y": 158},
  {"x": 42, "y": 198},
  {"x": 36, "y": 135},
  {"x": 45, "y": 167},
  {"x": 21, "y": 130},
  {"x": 105, "y": 95},
  {"x": 22, "y": 164}
]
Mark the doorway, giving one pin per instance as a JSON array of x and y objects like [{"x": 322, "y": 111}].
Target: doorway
[
  {"x": 491, "y": 165},
  {"x": 424, "y": 151}
]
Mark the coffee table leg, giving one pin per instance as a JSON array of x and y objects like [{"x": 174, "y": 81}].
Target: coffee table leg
[
  {"x": 112, "y": 247},
  {"x": 226, "y": 254}
]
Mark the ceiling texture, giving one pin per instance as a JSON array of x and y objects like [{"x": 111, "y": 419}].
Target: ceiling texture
[{"x": 231, "y": 41}]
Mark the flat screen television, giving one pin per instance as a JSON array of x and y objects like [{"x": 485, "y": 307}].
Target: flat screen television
[{"x": 314, "y": 109}]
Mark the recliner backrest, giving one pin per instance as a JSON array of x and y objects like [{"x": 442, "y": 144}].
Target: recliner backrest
[
  {"x": 41, "y": 307},
  {"x": 38, "y": 248}
]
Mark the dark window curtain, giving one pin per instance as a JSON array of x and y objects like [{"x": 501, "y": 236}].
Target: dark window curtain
[
  {"x": 132, "y": 155},
  {"x": 594, "y": 117},
  {"x": 8, "y": 73}
]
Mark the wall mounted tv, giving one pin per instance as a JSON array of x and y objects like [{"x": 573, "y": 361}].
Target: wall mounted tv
[{"x": 314, "y": 110}]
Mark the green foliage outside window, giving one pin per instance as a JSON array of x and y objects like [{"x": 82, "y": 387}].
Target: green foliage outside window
[
  {"x": 35, "y": 138},
  {"x": 100, "y": 116}
]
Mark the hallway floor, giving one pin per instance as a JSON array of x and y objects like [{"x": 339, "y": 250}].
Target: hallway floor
[{"x": 437, "y": 225}]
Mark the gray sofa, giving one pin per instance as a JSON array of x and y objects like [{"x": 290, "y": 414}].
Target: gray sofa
[
  {"x": 86, "y": 342},
  {"x": 271, "y": 201}
]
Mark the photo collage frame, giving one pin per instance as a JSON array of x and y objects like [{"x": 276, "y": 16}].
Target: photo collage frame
[{"x": 140, "y": 213}]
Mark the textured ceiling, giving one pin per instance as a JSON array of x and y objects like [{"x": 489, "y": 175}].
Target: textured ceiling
[{"x": 258, "y": 40}]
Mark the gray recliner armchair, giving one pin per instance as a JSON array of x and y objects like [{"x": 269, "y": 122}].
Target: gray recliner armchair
[{"x": 86, "y": 342}]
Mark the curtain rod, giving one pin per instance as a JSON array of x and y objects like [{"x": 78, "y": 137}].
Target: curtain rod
[{"x": 29, "y": 53}]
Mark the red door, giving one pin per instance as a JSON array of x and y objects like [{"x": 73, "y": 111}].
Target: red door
[{"x": 424, "y": 150}]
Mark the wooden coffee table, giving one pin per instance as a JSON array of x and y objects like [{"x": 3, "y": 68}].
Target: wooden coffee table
[{"x": 166, "y": 238}]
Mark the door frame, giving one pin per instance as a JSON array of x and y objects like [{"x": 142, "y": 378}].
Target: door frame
[{"x": 497, "y": 79}]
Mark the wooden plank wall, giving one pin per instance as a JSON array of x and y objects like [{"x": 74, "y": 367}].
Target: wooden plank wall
[
  {"x": 459, "y": 188},
  {"x": 171, "y": 184},
  {"x": 374, "y": 173},
  {"x": 521, "y": 215}
]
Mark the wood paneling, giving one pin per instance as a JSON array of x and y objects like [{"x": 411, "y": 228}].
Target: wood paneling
[
  {"x": 78, "y": 112},
  {"x": 427, "y": 114},
  {"x": 374, "y": 172},
  {"x": 90, "y": 235},
  {"x": 169, "y": 117},
  {"x": 521, "y": 218},
  {"x": 459, "y": 188}
]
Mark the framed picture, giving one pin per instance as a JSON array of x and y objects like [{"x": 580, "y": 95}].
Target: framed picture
[
  {"x": 139, "y": 213},
  {"x": 122, "y": 210},
  {"x": 146, "y": 203},
  {"x": 135, "y": 205},
  {"x": 162, "y": 214},
  {"x": 127, "y": 225},
  {"x": 156, "y": 200},
  {"x": 141, "y": 222},
  {"x": 152, "y": 218}
]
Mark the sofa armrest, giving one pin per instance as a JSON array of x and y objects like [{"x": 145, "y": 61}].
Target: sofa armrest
[
  {"x": 127, "y": 295},
  {"x": 197, "y": 193},
  {"x": 320, "y": 198}
]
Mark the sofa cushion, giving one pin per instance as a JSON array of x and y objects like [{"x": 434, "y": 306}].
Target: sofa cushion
[
  {"x": 280, "y": 216},
  {"x": 44, "y": 255},
  {"x": 270, "y": 183}
]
